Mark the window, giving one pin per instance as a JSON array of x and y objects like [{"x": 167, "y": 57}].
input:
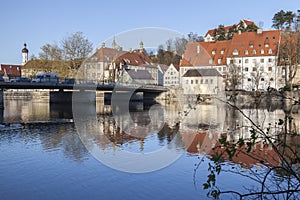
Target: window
[
  {"x": 249, "y": 79},
  {"x": 246, "y": 69},
  {"x": 210, "y": 61},
  {"x": 270, "y": 69},
  {"x": 235, "y": 52},
  {"x": 270, "y": 51},
  {"x": 191, "y": 81},
  {"x": 270, "y": 60},
  {"x": 246, "y": 52},
  {"x": 266, "y": 45},
  {"x": 222, "y": 52},
  {"x": 251, "y": 45},
  {"x": 231, "y": 61},
  {"x": 262, "y": 51},
  {"x": 213, "y": 52},
  {"x": 220, "y": 68},
  {"x": 201, "y": 81},
  {"x": 211, "y": 81},
  {"x": 261, "y": 69},
  {"x": 219, "y": 61},
  {"x": 254, "y": 52},
  {"x": 196, "y": 81},
  {"x": 224, "y": 69},
  {"x": 247, "y": 61},
  {"x": 206, "y": 81},
  {"x": 254, "y": 61},
  {"x": 271, "y": 79},
  {"x": 254, "y": 69},
  {"x": 240, "y": 61},
  {"x": 239, "y": 68},
  {"x": 262, "y": 79},
  {"x": 262, "y": 60}
]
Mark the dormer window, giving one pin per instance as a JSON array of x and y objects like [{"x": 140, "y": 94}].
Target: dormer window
[
  {"x": 210, "y": 61},
  {"x": 254, "y": 52},
  {"x": 266, "y": 44},
  {"x": 222, "y": 52},
  {"x": 251, "y": 45},
  {"x": 262, "y": 51},
  {"x": 246, "y": 52},
  {"x": 235, "y": 52},
  {"x": 219, "y": 61},
  {"x": 270, "y": 51},
  {"x": 213, "y": 52}
]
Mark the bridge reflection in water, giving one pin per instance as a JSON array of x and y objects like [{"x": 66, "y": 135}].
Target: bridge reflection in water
[{"x": 198, "y": 132}]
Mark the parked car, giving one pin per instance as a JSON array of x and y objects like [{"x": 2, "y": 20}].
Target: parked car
[
  {"x": 69, "y": 81},
  {"x": 43, "y": 77},
  {"x": 22, "y": 79}
]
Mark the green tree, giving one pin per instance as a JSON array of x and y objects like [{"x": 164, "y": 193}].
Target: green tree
[
  {"x": 289, "y": 19},
  {"x": 279, "y": 20},
  {"x": 219, "y": 33}
]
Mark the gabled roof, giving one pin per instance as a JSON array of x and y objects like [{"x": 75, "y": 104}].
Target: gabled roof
[
  {"x": 133, "y": 58},
  {"x": 139, "y": 74},
  {"x": 163, "y": 67},
  {"x": 201, "y": 72},
  {"x": 205, "y": 53},
  {"x": 105, "y": 54},
  {"x": 246, "y": 22},
  {"x": 10, "y": 70}
]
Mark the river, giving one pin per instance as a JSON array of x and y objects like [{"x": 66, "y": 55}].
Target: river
[{"x": 48, "y": 154}]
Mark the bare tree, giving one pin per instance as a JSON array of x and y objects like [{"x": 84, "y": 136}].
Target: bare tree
[
  {"x": 51, "y": 52},
  {"x": 76, "y": 46},
  {"x": 234, "y": 77},
  {"x": 289, "y": 56},
  {"x": 180, "y": 45}
]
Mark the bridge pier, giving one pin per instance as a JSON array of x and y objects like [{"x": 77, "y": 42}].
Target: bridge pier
[
  {"x": 150, "y": 96},
  {"x": 1, "y": 100},
  {"x": 69, "y": 96}
]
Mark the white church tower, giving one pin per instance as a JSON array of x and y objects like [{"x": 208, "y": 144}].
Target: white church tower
[{"x": 24, "y": 55}]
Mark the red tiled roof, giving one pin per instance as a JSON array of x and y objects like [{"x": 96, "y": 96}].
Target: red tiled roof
[
  {"x": 10, "y": 70},
  {"x": 243, "y": 42},
  {"x": 107, "y": 54},
  {"x": 134, "y": 58},
  {"x": 209, "y": 53}
]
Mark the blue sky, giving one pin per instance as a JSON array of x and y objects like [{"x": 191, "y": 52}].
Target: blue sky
[{"x": 38, "y": 22}]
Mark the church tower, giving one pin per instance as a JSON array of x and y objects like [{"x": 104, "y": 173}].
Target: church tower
[
  {"x": 141, "y": 46},
  {"x": 24, "y": 55}
]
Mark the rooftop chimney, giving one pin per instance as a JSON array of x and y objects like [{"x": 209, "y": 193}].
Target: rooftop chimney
[
  {"x": 103, "y": 45},
  {"x": 259, "y": 31},
  {"x": 198, "y": 49}
]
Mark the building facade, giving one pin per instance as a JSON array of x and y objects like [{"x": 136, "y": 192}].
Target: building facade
[
  {"x": 171, "y": 77},
  {"x": 202, "y": 81},
  {"x": 251, "y": 57}
]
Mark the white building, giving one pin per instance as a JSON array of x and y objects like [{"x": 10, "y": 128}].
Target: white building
[
  {"x": 171, "y": 77},
  {"x": 202, "y": 81},
  {"x": 252, "y": 55}
]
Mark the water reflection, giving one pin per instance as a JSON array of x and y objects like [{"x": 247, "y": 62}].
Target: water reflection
[{"x": 196, "y": 128}]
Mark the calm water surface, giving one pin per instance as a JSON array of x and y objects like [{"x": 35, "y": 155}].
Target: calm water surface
[{"x": 46, "y": 159}]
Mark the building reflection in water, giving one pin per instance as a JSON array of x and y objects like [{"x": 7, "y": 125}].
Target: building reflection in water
[{"x": 195, "y": 129}]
